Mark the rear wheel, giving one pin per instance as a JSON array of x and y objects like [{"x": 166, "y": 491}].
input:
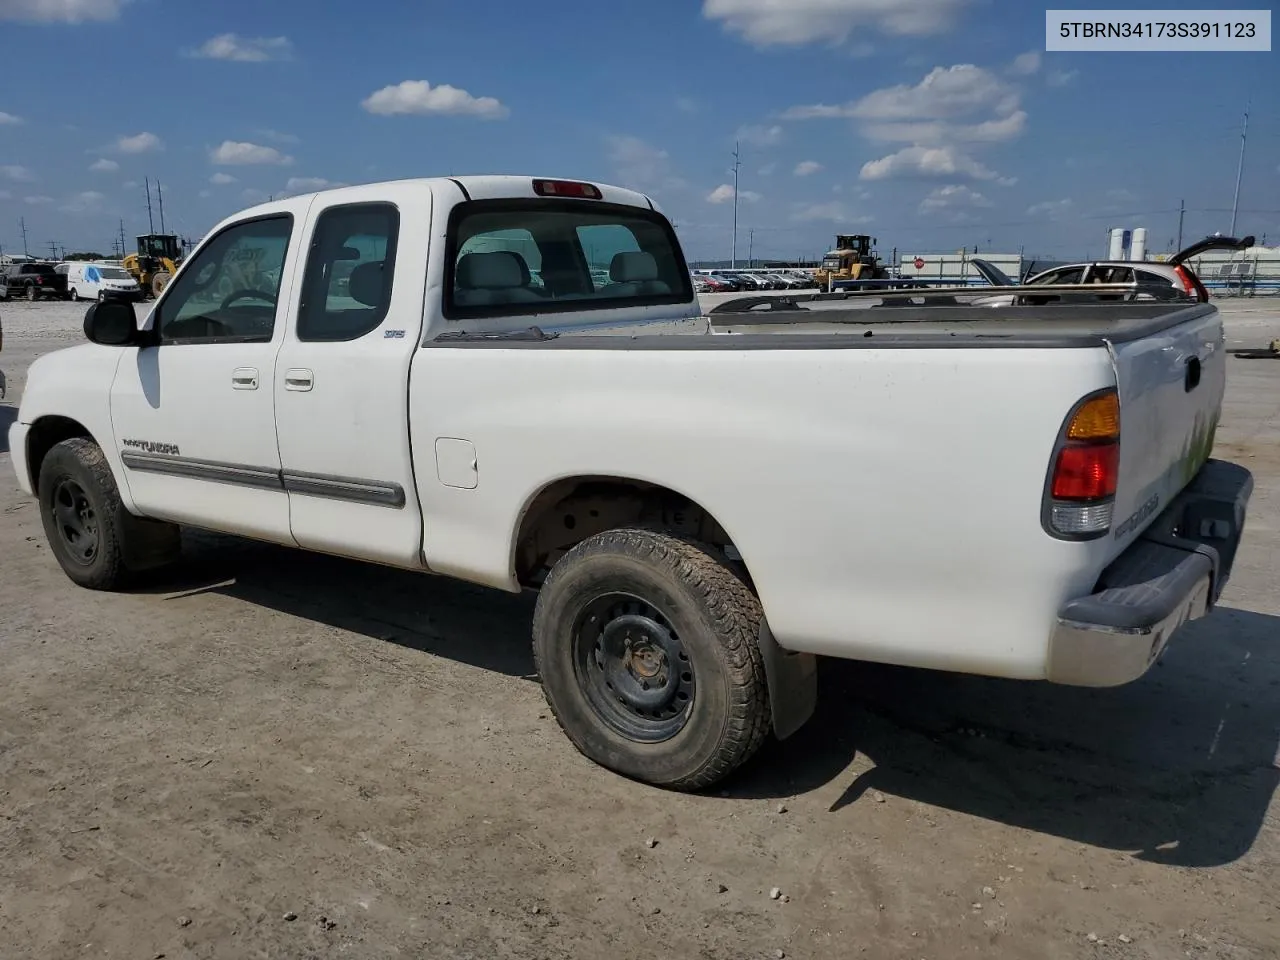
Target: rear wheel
[
  {"x": 73, "y": 295},
  {"x": 646, "y": 646}
]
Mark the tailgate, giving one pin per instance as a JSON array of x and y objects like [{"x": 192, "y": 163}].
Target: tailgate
[{"x": 1171, "y": 386}]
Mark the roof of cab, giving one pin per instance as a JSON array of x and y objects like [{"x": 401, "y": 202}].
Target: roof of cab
[{"x": 486, "y": 187}]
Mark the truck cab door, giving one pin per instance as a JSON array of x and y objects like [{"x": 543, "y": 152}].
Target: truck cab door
[
  {"x": 193, "y": 411},
  {"x": 342, "y": 381}
]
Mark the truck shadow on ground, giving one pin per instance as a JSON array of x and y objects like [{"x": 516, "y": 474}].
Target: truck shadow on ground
[{"x": 1179, "y": 767}]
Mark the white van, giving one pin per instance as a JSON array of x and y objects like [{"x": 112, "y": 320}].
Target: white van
[{"x": 101, "y": 281}]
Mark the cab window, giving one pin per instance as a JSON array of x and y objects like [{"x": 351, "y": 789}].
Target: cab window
[{"x": 228, "y": 292}]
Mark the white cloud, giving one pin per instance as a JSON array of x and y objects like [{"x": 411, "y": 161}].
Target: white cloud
[
  {"x": 205, "y": 194},
  {"x": 724, "y": 194},
  {"x": 948, "y": 108},
  {"x": 1061, "y": 78},
  {"x": 8, "y": 119},
  {"x": 951, "y": 197},
  {"x": 641, "y": 165},
  {"x": 937, "y": 132},
  {"x": 760, "y": 136},
  {"x": 130, "y": 185},
  {"x": 60, "y": 11},
  {"x": 419, "y": 97},
  {"x": 239, "y": 153},
  {"x": 12, "y": 171},
  {"x": 925, "y": 162},
  {"x": 139, "y": 143},
  {"x": 310, "y": 184},
  {"x": 806, "y": 168},
  {"x": 38, "y": 200},
  {"x": 222, "y": 179},
  {"x": 104, "y": 166},
  {"x": 230, "y": 46},
  {"x": 1025, "y": 64},
  {"x": 87, "y": 202},
  {"x": 767, "y": 170},
  {"x": 1053, "y": 209},
  {"x": 795, "y": 22},
  {"x": 832, "y": 210}
]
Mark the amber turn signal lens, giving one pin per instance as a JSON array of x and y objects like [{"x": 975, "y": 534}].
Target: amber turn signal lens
[{"x": 1098, "y": 419}]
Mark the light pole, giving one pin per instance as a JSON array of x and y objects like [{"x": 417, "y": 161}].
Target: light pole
[
  {"x": 1235, "y": 204},
  {"x": 737, "y": 163}
]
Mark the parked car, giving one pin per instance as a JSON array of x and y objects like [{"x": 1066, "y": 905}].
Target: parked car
[
  {"x": 1014, "y": 497},
  {"x": 32, "y": 280},
  {"x": 100, "y": 281},
  {"x": 1148, "y": 280},
  {"x": 721, "y": 284}
]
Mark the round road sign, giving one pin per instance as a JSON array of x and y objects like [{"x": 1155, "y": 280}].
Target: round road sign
[{"x": 919, "y": 263}]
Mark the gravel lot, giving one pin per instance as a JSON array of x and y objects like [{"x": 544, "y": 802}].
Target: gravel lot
[{"x": 274, "y": 754}]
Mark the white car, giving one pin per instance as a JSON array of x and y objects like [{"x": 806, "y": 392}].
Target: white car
[
  {"x": 1146, "y": 279},
  {"x": 100, "y": 281},
  {"x": 705, "y": 503}
]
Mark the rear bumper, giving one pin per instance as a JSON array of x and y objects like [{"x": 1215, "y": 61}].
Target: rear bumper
[{"x": 1173, "y": 573}]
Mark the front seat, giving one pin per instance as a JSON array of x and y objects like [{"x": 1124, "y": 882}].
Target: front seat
[
  {"x": 488, "y": 279},
  {"x": 635, "y": 274}
]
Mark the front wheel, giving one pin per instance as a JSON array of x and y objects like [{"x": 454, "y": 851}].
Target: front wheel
[
  {"x": 96, "y": 541},
  {"x": 646, "y": 646}
]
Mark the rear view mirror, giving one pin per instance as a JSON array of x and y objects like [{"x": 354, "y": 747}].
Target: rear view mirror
[{"x": 111, "y": 323}]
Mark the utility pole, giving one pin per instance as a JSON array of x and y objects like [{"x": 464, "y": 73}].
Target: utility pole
[
  {"x": 151, "y": 224},
  {"x": 737, "y": 163},
  {"x": 53, "y": 250},
  {"x": 122, "y": 246},
  {"x": 1182, "y": 212},
  {"x": 751, "y": 249},
  {"x": 1244, "y": 136},
  {"x": 160, "y": 194},
  {"x": 22, "y": 225}
]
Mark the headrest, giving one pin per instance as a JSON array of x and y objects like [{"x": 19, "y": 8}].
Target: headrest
[
  {"x": 366, "y": 284},
  {"x": 633, "y": 267},
  {"x": 500, "y": 270}
]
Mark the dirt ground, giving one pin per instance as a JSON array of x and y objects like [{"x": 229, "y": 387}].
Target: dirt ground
[{"x": 274, "y": 754}]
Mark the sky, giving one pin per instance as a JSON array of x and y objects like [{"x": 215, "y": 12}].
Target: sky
[{"x": 931, "y": 124}]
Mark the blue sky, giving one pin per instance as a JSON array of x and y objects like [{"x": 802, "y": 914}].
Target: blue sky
[{"x": 932, "y": 124}]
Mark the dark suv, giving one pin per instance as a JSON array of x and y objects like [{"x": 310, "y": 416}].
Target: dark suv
[{"x": 33, "y": 281}]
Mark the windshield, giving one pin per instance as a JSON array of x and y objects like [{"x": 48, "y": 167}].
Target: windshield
[
  {"x": 831, "y": 263},
  {"x": 114, "y": 273}
]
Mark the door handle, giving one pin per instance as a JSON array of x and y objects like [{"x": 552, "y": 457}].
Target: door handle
[
  {"x": 299, "y": 379},
  {"x": 244, "y": 378}
]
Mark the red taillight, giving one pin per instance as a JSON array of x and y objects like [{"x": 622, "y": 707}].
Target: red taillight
[
  {"x": 566, "y": 188},
  {"x": 1191, "y": 284},
  {"x": 39, "y": 280},
  {"x": 1086, "y": 472}
]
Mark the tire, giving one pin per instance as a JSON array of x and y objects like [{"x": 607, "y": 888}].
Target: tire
[
  {"x": 159, "y": 282},
  {"x": 84, "y": 520},
  {"x": 666, "y": 604},
  {"x": 73, "y": 296},
  {"x": 32, "y": 293}
]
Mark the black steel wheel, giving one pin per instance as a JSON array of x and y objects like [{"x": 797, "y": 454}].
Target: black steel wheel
[
  {"x": 75, "y": 521},
  {"x": 633, "y": 668},
  {"x": 84, "y": 520},
  {"x": 646, "y": 645}
]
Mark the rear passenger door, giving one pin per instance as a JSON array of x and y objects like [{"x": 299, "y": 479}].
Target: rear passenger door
[{"x": 342, "y": 377}]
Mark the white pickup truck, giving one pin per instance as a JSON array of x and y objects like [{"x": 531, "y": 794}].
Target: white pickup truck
[{"x": 510, "y": 381}]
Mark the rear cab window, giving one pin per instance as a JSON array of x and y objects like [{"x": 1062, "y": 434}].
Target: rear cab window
[{"x": 514, "y": 256}]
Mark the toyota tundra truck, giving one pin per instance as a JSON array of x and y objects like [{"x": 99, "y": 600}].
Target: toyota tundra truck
[{"x": 510, "y": 381}]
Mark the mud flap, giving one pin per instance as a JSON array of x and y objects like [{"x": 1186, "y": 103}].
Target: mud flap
[
  {"x": 149, "y": 543},
  {"x": 793, "y": 684}
]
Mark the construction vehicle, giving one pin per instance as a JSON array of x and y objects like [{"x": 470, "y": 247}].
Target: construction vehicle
[
  {"x": 156, "y": 261},
  {"x": 852, "y": 260}
]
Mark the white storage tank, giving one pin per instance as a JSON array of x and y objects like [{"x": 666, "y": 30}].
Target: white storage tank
[
  {"x": 1117, "y": 244},
  {"x": 1139, "y": 244}
]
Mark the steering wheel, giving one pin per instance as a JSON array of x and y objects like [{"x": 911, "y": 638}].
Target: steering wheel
[{"x": 246, "y": 294}]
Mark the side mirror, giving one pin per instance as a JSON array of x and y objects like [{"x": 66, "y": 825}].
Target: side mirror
[{"x": 111, "y": 323}]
